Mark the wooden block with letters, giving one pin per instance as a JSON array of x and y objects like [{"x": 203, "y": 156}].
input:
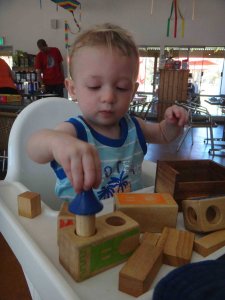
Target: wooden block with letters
[
  {"x": 115, "y": 239},
  {"x": 153, "y": 211}
]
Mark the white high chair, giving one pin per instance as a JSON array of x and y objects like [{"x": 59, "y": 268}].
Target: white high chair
[
  {"x": 34, "y": 241},
  {"x": 44, "y": 113}
]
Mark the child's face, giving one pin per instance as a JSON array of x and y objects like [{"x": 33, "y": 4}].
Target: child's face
[{"x": 103, "y": 83}]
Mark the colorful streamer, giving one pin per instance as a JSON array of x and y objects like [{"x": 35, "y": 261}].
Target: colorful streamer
[
  {"x": 176, "y": 8},
  {"x": 66, "y": 35}
]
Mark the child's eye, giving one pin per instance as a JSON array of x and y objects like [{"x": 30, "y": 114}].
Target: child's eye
[
  {"x": 123, "y": 89},
  {"x": 94, "y": 87}
]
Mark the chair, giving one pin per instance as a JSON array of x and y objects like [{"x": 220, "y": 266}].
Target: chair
[
  {"x": 44, "y": 113},
  {"x": 141, "y": 110},
  {"x": 198, "y": 116},
  {"x": 6, "y": 121}
]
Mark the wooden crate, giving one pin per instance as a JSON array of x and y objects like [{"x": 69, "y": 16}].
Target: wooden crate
[
  {"x": 186, "y": 179},
  {"x": 172, "y": 87}
]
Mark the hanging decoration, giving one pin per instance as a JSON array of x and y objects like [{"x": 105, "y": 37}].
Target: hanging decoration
[
  {"x": 175, "y": 7},
  {"x": 152, "y": 4},
  {"x": 71, "y": 6},
  {"x": 193, "y": 10}
]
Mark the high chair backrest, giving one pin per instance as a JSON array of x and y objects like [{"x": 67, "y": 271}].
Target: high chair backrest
[{"x": 43, "y": 113}]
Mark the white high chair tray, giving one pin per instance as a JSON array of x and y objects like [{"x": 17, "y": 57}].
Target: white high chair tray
[{"x": 34, "y": 242}]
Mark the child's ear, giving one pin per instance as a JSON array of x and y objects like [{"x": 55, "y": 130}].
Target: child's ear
[{"x": 69, "y": 84}]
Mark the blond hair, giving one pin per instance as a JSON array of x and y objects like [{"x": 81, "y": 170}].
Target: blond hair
[{"x": 110, "y": 36}]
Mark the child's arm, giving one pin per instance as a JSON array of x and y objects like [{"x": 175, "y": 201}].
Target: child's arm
[
  {"x": 79, "y": 159},
  {"x": 167, "y": 130}
]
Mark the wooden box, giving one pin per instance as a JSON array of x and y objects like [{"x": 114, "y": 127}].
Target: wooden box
[{"x": 186, "y": 179}]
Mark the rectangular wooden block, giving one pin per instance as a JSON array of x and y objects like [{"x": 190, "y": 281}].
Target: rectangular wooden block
[
  {"x": 185, "y": 179},
  {"x": 152, "y": 211},
  {"x": 178, "y": 247},
  {"x": 210, "y": 243},
  {"x": 137, "y": 275},
  {"x": 29, "y": 204},
  {"x": 116, "y": 238}
]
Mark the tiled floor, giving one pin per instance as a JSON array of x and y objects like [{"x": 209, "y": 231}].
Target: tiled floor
[{"x": 12, "y": 282}]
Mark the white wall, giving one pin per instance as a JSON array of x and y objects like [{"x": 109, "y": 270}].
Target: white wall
[{"x": 23, "y": 22}]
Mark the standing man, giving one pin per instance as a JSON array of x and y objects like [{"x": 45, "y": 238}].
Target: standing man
[{"x": 48, "y": 65}]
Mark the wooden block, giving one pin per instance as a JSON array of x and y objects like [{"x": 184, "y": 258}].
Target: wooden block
[
  {"x": 185, "y": 179},
  {"x": 65, "y": 218},
  {"x": 137, "y": 275},
  {"x": 178, "y": 247},
  {"x": 204, "y": 215},
  {"x": 117, "y": 236},
  {"x": 153, "y": 211},
  {"x": 210, "y": 243},
  {"x": 29, "y": 204}
]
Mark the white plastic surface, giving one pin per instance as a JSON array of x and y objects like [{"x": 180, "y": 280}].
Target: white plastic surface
[
  {"x": 34, "y": 243},
  {"x": 43, "y": 113}
]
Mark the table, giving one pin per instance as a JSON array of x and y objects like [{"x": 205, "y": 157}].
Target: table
[{"x": 34, "y": 242}]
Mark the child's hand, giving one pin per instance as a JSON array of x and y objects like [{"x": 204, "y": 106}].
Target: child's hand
[
  {"x": 176, "y": 115},
  {"x": 79, "y": 160}
]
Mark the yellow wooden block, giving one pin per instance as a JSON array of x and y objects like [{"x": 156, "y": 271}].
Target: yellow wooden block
[
  {"x": 204, "y": 215},
  {"x": 153, "y": 211},
  {"x": 137, "y": 275},
  {"x": 116, "y": 237},
  {"x": 29, "y": 204},
  {"x": 178, "y": 247},
  {"x": 210, "y": 243}
]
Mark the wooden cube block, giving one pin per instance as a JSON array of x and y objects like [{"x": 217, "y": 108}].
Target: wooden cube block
[
  {"x": 29, "y": 204},
  {"x": 137, "y": 275},
  {"x": 116, "y": 238},
  {"x": 153, "y": 211},
  {"x": 178, "y": 247},
  {"x": 185, "y": 179},
  {"x": 210, "y": 243},
  {"x": 204, "y": 215}
]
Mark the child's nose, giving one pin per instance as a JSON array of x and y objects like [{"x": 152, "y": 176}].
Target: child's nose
[{"x": 108, "y": 95}]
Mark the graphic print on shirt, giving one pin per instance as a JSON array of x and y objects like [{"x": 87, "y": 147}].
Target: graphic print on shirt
[
  {"x": 117, "y": 183},
  {"x": 50, "y": 62}
]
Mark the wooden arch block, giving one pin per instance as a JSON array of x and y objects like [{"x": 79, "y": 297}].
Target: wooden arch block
[{"x": 204, "y": 215}]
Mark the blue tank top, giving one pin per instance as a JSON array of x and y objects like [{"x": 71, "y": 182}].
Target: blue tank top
[{"x": 121, "y": 159}]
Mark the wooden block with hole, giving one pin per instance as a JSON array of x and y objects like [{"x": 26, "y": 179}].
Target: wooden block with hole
[
  {"x": 137, "y": 275},
  {"x": 153, "y": 211},
  {"x": 210, "y": 243},
  {"x": 178, "y": 247},
  {"x": 204, "y": 215},
  {"x": 116, "y": 238},
  {"x": 29, "y": 204}
]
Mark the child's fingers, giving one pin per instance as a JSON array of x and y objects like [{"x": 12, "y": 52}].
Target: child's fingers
[
  {"x": 77, "y": 174},
  {"x": 90, "y": 170}
]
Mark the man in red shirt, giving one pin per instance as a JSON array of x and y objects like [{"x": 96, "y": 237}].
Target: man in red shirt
[{"x": 48, "y": 64}]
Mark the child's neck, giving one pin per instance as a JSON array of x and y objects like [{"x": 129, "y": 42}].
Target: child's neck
[{"x": 112, "y": 132}]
